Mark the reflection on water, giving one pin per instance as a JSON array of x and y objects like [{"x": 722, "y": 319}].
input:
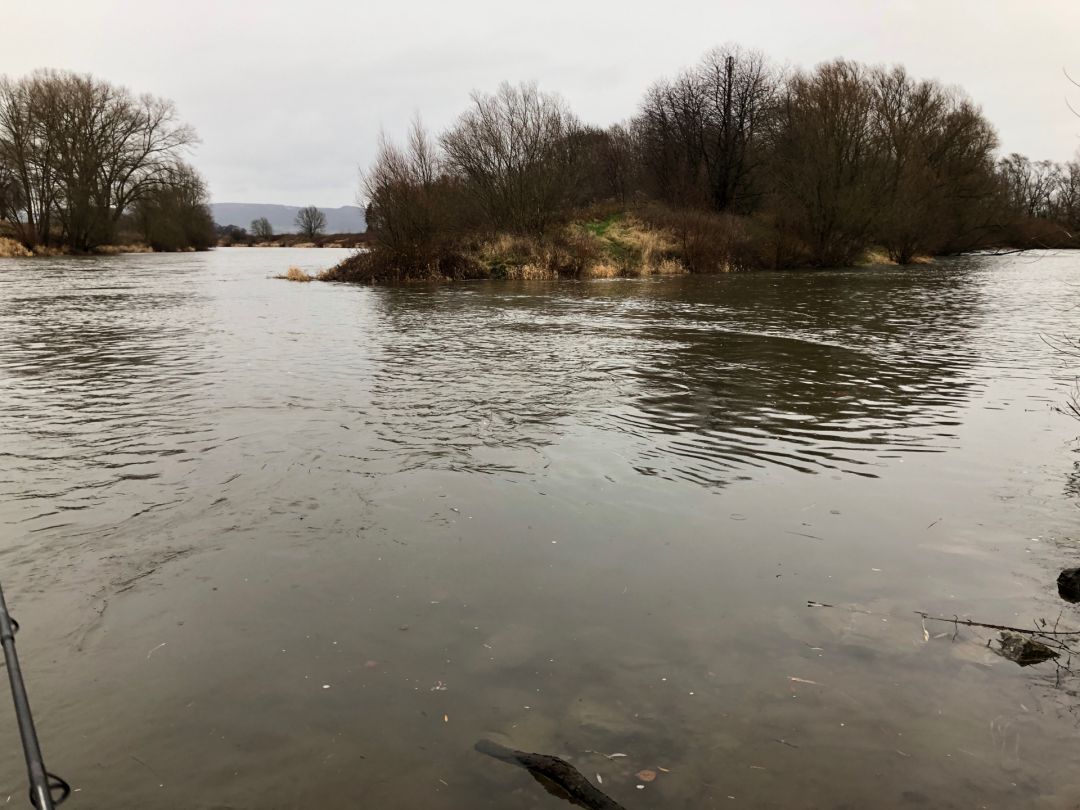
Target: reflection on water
[
  {"x": 281, "y": 544},
  {"x": 715, "y": 377}
]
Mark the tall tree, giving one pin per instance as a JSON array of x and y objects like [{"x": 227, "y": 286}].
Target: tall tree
[
  {"x": 310, "y": 221},
  {"x": 826, "y": 169},
  {"x": 175, "y": 214},
  {"x": 937, "y": 158},
  {"x": 408, "y": 200},
  {"x": 262, "y": 229},
  {"x": 78, "y": 153},
  {"x": 515, "y": 153},
  {"x": 702, "y": 135}
]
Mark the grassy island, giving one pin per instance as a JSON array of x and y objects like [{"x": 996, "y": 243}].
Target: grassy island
[{"x": 733, "y": 165}]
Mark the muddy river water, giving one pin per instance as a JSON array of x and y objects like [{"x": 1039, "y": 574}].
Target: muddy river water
[{"x": 279, "y": 545}]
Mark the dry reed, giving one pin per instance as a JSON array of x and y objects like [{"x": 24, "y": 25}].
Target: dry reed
[{"x": 296, "y": 274}]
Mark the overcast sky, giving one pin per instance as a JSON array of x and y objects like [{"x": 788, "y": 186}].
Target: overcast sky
[{"x": 288, "y": 95}]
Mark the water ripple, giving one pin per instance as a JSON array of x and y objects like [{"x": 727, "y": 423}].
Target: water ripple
[{"x": 142, "y": 391}]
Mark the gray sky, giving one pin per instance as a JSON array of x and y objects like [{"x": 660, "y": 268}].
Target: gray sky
[{"x": 288, "y": 95}]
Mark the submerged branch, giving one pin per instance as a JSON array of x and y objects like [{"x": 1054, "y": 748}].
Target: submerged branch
[
  {"x": 971, "y": 623},
  {"x": 549, "y": 770}
]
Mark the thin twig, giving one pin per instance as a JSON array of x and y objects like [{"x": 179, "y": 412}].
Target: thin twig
[{"x": 971, "y": 623}]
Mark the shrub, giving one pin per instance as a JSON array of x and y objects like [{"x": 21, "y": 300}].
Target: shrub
[
  {"x": 296, "y": 274},
  {"x": 10, "y": 249}
]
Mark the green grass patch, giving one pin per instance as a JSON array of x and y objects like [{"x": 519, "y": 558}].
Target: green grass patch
[
  {"x": 600, "y": 227},
  {"x": 620, "y": 253}
]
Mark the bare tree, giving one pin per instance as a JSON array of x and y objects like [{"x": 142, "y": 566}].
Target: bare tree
[
  {"x": 826, "y": 169},
  {"x": 741, "y": 89},
  {"x": 262, "y": 229},
  {"x": 408, "y": 201},
  {"x": 310, "y": 221},
  {"x": 514, "y": 152},
  {"x": 175, "y": 214},
  {"x": 670, "y": 129},
  {"x": 703, "y": 134},
  {"x": 614, "y": 164},
  {"x": 80, "y": 152},
  {"x": 28, "y": 155},
  {"x": 1031, "y": 185},
  {"x": 937, "y": 163},
  {"x": 1066, "y": 197}
]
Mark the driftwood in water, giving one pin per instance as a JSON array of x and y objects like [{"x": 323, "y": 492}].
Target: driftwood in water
[
  {"x": 547, "y": 769},
  {"x": 1022, "y": 645}
]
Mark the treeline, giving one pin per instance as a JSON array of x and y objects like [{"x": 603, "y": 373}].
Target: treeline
[
  {"x": 310, "y": 224},
  {"x": 264, "y": 236},
  {"x": 741, "y": 163},
  {"x": 84, "y": 163},
  {"x": 1042, "y": 199}
]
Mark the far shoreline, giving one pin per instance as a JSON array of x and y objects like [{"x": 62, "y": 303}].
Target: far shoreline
[{"x": 292, "y": 240}]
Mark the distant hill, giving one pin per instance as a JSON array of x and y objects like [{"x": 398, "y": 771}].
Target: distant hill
[{"x": 346, "y": 219}]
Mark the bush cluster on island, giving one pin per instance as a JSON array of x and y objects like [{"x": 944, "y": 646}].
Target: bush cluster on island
[{"x": 734, "y": 164}]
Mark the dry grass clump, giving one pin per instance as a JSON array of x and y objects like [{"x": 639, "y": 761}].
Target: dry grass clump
[
  {"x": 616, "y": 245},
  {"x": 43, "y": 250},
  {"x": 296, "y": 274},
  {"x": 602, "y": 270},
  {"x": 507, "y": 248},
  {"x": 875, "y": 256},
  {"x": 649, "y": 247},
  {"x": 10, "y": 249},
  {"x": 567, "y": 253},
  {"x": 115, "y": 250},
  {"x": 708, "y": 242},
  {"x": 530, "y": 272},
  {"x": 669, "y": 267},
  {"x": 629, "y": 246}
]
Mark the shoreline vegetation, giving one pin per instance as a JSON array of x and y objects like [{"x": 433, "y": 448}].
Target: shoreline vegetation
[
  {"x": 88, "y": 167},
  {"x": 735, "y": 164},
  {"x": 13, "y": 249},
  {"x": 310, "y": 224},
  {"x": 616, "y": 244},
  {"x": 238, "y": 237}
]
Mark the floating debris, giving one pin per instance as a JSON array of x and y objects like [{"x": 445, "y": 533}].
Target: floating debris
[
  {"x": 1022, "y": 650},
  {"x": 602, "y": 754},
  {"x": 1068, "y": 583},
  {"x": 568, "y": 778}
]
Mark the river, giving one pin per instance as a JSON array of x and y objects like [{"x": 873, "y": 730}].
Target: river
[{"x": 279, "y": 545}]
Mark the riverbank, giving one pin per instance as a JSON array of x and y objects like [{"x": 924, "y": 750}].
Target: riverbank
[
  {"x": 619, "y": 245},
  {"x": 295, "y": 240},
  {"x": 12, "y": 249},
  {"x": 615, "y": 244}
]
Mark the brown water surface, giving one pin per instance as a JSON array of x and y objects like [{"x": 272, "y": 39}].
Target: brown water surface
[{"x": 283, "y": 546}]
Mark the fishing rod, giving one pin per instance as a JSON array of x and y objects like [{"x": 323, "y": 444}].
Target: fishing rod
[{"x": 46, "y": 790}]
